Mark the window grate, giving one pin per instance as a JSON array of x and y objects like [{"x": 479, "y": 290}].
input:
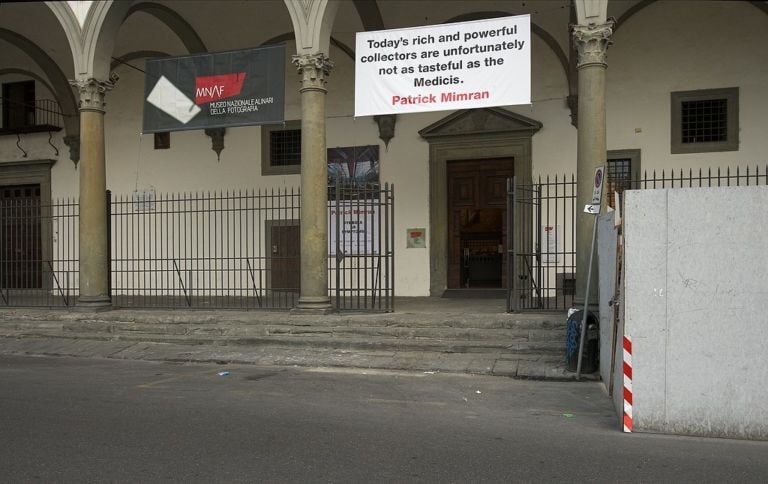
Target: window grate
[
  {"x": 619, "y": 178},
  {"x": 704, "y": 121},
  {"x": 285, "y": 147}
]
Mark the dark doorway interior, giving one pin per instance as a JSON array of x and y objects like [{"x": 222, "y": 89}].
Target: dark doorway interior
[
  {"x": 477, "y": 223},
  {"x": 18, "y": 104},
  {"x": 20, "y": 237}
]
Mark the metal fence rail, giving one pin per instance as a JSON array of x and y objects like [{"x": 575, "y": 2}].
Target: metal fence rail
[
  {"x": 203, "y": 250},
  {"x": 39, "y": 264},
  {"x": 541, "y": 258},
  {"x": 213, "y": 250}
]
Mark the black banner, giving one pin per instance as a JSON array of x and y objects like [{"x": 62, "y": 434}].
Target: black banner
[{"x": 216, "y": 90}]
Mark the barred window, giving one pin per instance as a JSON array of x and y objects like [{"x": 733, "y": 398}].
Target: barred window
[
  {"x": 705, "y": 120},
  {"x": 281, "y": 148},
  {"x": 285, "y": 147},
  {"x": 619, "y": 178},
  {"x": 622, "y": 169}
]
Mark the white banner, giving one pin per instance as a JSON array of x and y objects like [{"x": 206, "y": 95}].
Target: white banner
[{"x": 444, "y": 67}]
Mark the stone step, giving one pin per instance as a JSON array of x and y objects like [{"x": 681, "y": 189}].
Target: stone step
[
  {"x": 409, "y": 320},
  {"x": 516, "y": 366},
  {"x": 324, "y": 342},
  {"x": 255, "y": 330}
]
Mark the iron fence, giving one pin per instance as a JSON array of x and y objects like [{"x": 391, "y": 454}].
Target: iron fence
[
  {"x": 214, "y": 250},
  {"x": 224, "y": 250},
  {"x": 541, "y": 257},
  {"x": 39, "y": 263}
]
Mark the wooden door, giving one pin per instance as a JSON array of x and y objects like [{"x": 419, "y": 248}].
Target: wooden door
[
  {"x": 477, "y": 200},
  {"x": 20, "y": 237},
  {"x": 285, "y": 258}
]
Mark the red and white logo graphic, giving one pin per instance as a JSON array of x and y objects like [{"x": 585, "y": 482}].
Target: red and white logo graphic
[{"x": 214, "y": 88}]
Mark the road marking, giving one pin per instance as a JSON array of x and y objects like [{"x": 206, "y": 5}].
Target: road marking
[{"x": 404, "y": 402}]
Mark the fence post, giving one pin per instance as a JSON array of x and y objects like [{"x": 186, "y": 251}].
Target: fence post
[{"x": 109, "y": 244}]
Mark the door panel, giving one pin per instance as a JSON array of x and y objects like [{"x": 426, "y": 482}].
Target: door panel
[
  {"x": 20, "y": 237},
  {"x": 285, "y": 258},
  {"x": 477, "y": 222}
]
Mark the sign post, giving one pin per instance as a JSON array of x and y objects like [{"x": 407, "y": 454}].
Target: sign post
[{"x": 592, "y": 208}]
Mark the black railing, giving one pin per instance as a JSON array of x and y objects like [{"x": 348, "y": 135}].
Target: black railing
[
  {"x": 205, "y": 250},
  {"x": 38, "y": 253},
  {"x": 230, "y": 250},
  {"x": 541, "y": 258},
  {"x": 43, "y": 114}
]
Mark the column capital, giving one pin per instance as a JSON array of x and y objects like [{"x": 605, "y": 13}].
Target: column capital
[
  {"x": 592, "y": 42},
  {"x": 92, "y": 92},
  {"x": 313, "y": 69}
]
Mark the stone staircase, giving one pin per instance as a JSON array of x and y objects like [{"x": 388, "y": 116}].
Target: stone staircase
[{"x": 479, "y": 341}]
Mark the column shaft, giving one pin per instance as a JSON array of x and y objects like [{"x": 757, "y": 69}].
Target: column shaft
[
  {"x": 314, "y": 184},
  {"x": 93, "y": 237},
  {"x": 592, "y": 43}
]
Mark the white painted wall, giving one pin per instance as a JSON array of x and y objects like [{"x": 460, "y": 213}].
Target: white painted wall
[
  {"x": 681, "y": 46},
  {"x": 695, "y": 310}
]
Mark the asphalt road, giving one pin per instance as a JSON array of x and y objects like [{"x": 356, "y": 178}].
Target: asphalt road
[{"x": 85, "y": 420}]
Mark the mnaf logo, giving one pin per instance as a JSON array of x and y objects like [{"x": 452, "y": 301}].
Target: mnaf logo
[{"x": 213, "y": 88}]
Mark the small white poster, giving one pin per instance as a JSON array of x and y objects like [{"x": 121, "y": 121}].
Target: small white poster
[
  {"x": 551, "y": 245},
  {"x": 463, "y": 65},
  {"x": 354, "y": 227}
]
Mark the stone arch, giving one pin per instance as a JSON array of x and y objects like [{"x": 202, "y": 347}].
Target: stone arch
[
  {"x": 312, "y": 22},
  {"x": 370, "y": 15},
  {"x": 98, "y": 38},
  {"x": 762, "y": 6},
  {"x": 138, "y": 54},
  {"x": 71, "y": 26},
  {"x": 535, "y": 29},
  {"x": 279, "y": 39},
  {"x": 57, "y": 82},
  {"x": 173, "y": 21}
]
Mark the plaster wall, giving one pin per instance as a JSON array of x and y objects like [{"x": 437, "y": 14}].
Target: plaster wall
[
  {"x": 694, "y": 308},
  {"x": 681, "y": 46}
]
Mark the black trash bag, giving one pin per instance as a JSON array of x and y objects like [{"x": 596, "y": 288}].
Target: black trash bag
[{"x": 591, "y": 358}]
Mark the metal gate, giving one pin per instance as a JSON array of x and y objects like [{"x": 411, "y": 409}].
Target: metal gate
[{"x": 541, "y": 261}]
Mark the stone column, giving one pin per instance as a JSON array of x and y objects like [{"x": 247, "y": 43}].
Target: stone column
[
  {"x": 591, "y": 44},
  {"x": 313, "y": 70},
  {"x": 94, "y": 263}
]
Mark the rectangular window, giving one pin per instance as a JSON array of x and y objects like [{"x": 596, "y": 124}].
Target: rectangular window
[
  {"x": 281, "y": 149},
  {"x": 285, "y": 147},
  {"x": 622, "y": 168},
  {"x": 705, "y": 120},
  {"x": 18, "y": 104},
  {"x": 163, "y": 141}
]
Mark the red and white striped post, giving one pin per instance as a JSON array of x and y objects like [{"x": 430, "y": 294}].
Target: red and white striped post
[{"x": 627, "y": 384}]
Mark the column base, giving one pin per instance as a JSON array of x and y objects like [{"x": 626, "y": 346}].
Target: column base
[
  {"x": 313, "y": 305},
  {"x": 94, "y": 303}
]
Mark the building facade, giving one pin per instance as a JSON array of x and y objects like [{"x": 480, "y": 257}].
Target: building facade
[{"x": 681, "y": 87}]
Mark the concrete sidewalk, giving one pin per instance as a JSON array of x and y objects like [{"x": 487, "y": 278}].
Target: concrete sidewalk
[{"x": 423, "y": 334}]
